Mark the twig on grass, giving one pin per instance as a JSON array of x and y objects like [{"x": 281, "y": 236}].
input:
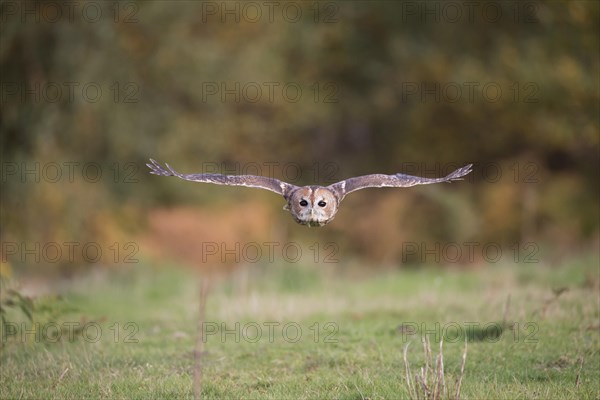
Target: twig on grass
[
  {"x": 411, "y": 390},
  {"x": 60, "y": 378},
  {"x": 199, "y": 348},
  {"x": 578, "y": 377},
  {"x": 462, "y": 373}
]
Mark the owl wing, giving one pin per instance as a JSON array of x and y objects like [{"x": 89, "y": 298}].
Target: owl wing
[
  {"x": 261, "y": 182},
  {"x": 398, "y": 180}
]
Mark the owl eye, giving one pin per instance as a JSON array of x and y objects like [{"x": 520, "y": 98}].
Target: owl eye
[
  {"x": 322, "y": 203},
  {"x": 303, "y": 203}
]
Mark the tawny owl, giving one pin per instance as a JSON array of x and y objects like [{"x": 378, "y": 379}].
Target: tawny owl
[{"x": 310, "y": 205}]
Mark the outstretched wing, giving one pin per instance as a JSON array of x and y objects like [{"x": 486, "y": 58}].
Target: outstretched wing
[
  {"x": 398, "y": 180},
  {"x": 261, "y": 182}
]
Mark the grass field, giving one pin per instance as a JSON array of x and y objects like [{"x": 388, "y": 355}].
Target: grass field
[{"x": 289, "y": 331}]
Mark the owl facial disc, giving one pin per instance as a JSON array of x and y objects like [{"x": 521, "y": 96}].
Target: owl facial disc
[{"x": 313, "y": 205}]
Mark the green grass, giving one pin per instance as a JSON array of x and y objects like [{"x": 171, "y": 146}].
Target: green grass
[{"x": 354, "y": 330}]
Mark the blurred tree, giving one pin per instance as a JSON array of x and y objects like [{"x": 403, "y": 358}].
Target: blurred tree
[{"x": 348, "y": 88}]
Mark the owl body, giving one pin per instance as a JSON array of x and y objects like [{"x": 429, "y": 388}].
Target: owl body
[{"x": 310, "y": 205}]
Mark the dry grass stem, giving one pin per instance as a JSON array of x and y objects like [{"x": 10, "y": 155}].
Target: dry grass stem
[
  {"x": 430, "y": 380},
  {"x": 578, "y": 377},
  {"x": 411, "y": 390},
  {"x": 505, "y": 313},
  {"x": 462, "y": 373}
]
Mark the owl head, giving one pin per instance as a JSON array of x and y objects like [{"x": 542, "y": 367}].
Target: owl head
[{"x": 312, "y": 205}]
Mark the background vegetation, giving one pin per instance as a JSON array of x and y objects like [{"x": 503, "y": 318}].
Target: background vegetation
[{"x": 386, "y": 87}]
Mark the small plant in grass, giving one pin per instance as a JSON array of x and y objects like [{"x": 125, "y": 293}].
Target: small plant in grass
[
  {"x": 430, "y": 380},
  {"x": 19, "y": 323},
  {"x": 11, "y": 298}
]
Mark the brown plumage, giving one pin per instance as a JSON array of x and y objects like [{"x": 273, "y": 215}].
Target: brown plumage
[{"x": 310, "y": 205}]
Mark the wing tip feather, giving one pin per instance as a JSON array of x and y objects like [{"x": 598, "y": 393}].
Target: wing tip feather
[
  {"x": 458, "y": 174},
  {"x": 157, "y": 169}
]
